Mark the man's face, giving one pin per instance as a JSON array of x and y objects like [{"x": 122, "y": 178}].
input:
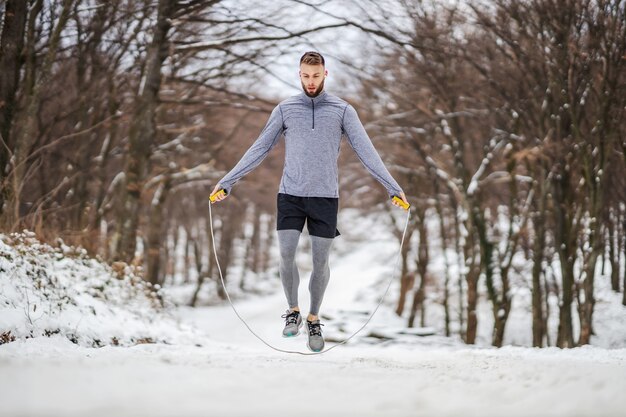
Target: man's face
[{"x": 312, "y": 79}]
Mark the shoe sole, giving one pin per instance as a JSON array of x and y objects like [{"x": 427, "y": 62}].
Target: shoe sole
[
  {"x": 314, "y": 350},
  {"x": 286, "y": 336}
]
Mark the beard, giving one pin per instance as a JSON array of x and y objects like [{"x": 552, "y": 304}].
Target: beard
[{"x": 316, "y": 92}]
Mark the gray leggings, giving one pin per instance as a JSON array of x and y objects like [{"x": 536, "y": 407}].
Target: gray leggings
[{"x": 288, "y": 243}]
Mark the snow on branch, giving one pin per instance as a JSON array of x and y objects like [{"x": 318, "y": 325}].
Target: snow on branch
[
  {"x": 439, "y": 171},
  {"x": 198, "y": 173},
  {"x": 473, "y": 185}
]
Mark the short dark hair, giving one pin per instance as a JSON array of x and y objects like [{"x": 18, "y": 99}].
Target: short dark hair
[{"x": 312, "y": 58}]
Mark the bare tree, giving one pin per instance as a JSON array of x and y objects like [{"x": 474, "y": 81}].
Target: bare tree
[
  {"x": 11, "y": 44},
  {"x": 542, "y": 149}
]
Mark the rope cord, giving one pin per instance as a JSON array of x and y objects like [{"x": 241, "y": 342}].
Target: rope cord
[{"x": 408, "y": 215}]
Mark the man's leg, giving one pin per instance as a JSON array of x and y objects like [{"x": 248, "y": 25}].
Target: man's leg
[
  {"x": 288, "y": 243},
  {"x": 321, "y": 273},
  {"x": 290, "y": 219}
]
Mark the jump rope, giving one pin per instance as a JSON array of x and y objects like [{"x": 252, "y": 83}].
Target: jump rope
[{"x": 405, "y": 206}]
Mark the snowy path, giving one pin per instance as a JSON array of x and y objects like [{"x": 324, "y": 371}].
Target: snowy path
[
  {"x": 233, "y": 374},
  {"x": 47, "y": 378}
]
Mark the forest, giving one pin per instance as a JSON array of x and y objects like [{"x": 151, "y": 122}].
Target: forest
[{"x": 504, "y": 121}]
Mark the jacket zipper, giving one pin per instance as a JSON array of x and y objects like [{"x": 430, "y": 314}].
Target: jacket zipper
[{"x": 313, "y": 122}]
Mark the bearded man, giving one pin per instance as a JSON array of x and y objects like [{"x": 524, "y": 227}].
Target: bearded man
[{"x": 313, "y": 124}]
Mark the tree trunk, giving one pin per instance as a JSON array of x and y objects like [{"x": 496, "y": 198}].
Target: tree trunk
[
  {"x": 472, "y": 301},
  {"x": 623, "y": 237},
  {"x": 197, "y": 250},
  {"x": 187, "y": 255},
  {"x": 208, "y": 273},
  {"x": 546, "y": 301},
  {"x": 248, "y": 250},
  {"x": 418, "y": 302},
  {"x": 444, "y": 249},
  {"x": 406, "y": 279},
  {"x": 11, "y": 44},
  {"x": 230, "y": 227},
  {"x": 443, "y": 233},
  {"x": 587, "y": 307},
  {"x": 597, "y": 244},
  {"x": 503, "y": 311},
  {"x": 539, "y": 330},
  {"x": 614, "y": 250},
  {"x": 155, "y": 233},
  {"x": 267, "y": 252},
  {"x": 487, "y": 266},
  {"x": 255, "y": 242},
  {"x": 34, "y": 83},
  {"x": 423, "y": 259},
  {"x": 565, "y": 336},
  {"x": 90, "y": 112},
  {"x": 142, "y": 134},
  {"x": 461, "y": 263},
  {"x": 103, "y": 158},
  {"x": 564, "y": 243},
  {"x": 471, "y": 277}
]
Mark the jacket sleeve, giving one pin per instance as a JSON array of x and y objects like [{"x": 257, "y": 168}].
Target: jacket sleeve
[
  {"x": 363, "y": 147},
  {"x": 257, "y": 152}
]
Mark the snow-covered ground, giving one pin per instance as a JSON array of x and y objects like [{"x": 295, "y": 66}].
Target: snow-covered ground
[
  {"x": 215, "y": 367},
  {"x": 52, "y": 377}
]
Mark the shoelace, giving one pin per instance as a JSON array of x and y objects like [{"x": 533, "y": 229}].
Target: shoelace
[
  {"x": 315, "y": 329},
  {"x": 291, "y": 318}
]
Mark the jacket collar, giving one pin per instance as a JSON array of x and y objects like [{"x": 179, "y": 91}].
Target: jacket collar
[{"x": 321, "y": 97}]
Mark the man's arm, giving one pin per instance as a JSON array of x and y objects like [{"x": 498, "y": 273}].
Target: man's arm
[
  {"x": 256, "y": 153},
  {"x": 363, "y": 147}
]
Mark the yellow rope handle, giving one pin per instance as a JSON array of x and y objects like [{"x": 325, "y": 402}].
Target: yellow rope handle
[
  {"x": 401, "y": 202},
  {"x": 221, "y": 193}
]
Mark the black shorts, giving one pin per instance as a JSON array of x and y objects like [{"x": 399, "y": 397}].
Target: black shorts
[{"x": 319, "y": 213}]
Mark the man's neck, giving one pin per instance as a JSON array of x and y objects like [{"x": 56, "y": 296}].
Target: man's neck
[{"x": 321, "y": 93}]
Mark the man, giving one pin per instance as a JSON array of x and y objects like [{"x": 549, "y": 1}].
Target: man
[{"x": 312, "y": 124}]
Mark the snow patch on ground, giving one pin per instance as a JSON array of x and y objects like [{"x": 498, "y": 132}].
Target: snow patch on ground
[{"x": 47, "y": 291}]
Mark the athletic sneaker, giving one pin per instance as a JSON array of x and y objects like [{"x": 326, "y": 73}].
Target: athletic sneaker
[
  {"x": 293, "y": 322},
  {"x": 316, "y": 340}
]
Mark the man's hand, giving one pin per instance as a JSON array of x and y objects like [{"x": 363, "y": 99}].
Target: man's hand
[
  {"x": 218, "y": 196},
  {"x": 404, "y": 200}
]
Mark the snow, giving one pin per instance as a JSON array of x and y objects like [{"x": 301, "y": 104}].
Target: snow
[
  {"x": 207, "y": 363},
  {"x": 46, "y": 290},
  {"x": 162, "y": 380}
]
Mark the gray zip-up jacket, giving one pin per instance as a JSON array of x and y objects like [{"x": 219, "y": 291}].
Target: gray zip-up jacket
[{"x": 312, "y": 128}]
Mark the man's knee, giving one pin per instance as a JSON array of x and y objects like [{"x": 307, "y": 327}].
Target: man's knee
[{"x": 288, "y": 243}]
